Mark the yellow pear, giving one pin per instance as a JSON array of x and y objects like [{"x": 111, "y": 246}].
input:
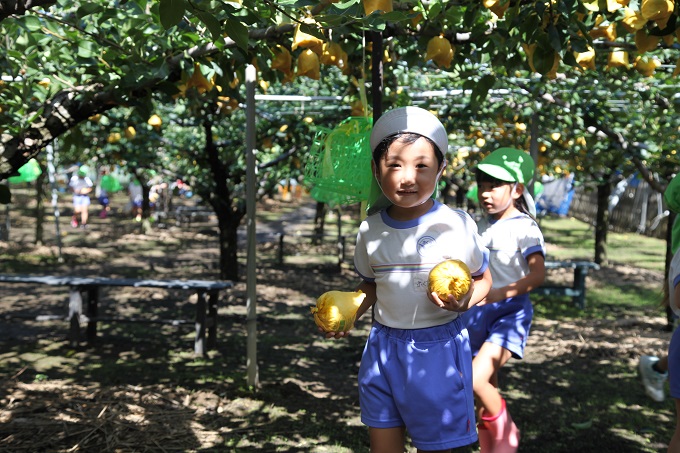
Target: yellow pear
[
  {"x": 440, "y": 51},
  {"x": 645, "y": 42},
  {"x": 586, "y": 59},
  {"x": 114, "y": 137},
  {"x": 377, "y": 5},
  {"x": 198, "y": 81},
  {"x": 633, "y": 20},
  {"x": 646, "y": 65},
  {"x": 305, "y": 40},
  {"x": 618, "y": 58},
  {"x": 498, "y": 7},
  {"x": 283, "y": 60},
  {"x": 450, "y": 277},
  {"x": 656, "y": 9},
  {"x": 331, "y": 53},
  {"x": 130, "y": 132},
  {"x": 155, "y": 121},
  {"x": 336, "y": 311},
  {"x": 308, "y": 65},
  {"x": 606, "y": 31}
]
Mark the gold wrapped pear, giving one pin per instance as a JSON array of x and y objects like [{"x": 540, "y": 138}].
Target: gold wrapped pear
[
  {"x": 450, "y": 277},
  {"x": 336, "y": 311},
  {"x": 440, "y": 50}
]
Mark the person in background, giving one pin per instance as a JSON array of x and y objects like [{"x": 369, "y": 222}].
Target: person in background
[
  {"x": 81, "y": 186},
  {"x": 654, "y": 370},
  {"x": 136, "y": 198},
  {"x": 415, "y": 374},
  {"x": 499, "y": 325},
  {"x": 102, "y": 195}
]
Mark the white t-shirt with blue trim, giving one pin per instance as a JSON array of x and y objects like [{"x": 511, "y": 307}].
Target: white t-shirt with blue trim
[
  {"x": 510, "y": 242},
  {"x": 674, "y": 280},
  {"x": 398, "y": 256}
]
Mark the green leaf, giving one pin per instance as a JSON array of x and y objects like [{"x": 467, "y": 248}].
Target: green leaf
[
  {"x": 481, "y": 90},
  {"x": 213, "y": 25},
  {"x": 554, "y": 38},
  {"x": 32, "y": 23},
  {"x": 238, "y": 32},
  {"x": 544, "y": 59},
  {"x": 171, "y": 12},
  {"x": 88, "y": 9},
  {"x": 85, "y": 49}
]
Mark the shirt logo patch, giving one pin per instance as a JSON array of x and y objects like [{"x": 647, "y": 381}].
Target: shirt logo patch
[{"x": 426, "y": 245}]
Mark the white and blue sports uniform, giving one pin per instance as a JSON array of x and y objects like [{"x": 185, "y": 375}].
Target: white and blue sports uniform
[
  {"x": 416, "y": 368},
  {"x": 674, "y": 347},
  {"x": 506, "y": 323},
  {"x": 77, "y": 184}
]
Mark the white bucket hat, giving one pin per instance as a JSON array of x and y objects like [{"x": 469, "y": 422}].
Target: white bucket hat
[
  {"x": 410, "y": 119},
  {"x": 404, "y": 119}
]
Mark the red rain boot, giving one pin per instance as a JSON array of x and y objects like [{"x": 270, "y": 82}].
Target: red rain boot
[
  {"x": 502, "y": 431},
  {"x": 485, "y": 440}
]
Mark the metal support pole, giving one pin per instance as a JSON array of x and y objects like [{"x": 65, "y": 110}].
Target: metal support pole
[
  {"x": 53, "y": 184},
  {"x": 251, "y": 189}
]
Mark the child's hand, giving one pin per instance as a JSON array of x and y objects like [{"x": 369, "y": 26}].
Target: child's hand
[
  {"x": 334, "y": 334},
  {"x": 451, "y": 303}
]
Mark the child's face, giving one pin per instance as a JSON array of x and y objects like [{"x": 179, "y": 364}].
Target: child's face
[
  {"x": 407, "y": 173},
  {"x": 498, "y": 197}
]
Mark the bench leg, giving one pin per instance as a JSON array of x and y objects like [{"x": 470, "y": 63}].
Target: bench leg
[
  {"x": 199, "y": 343},
  {"x": 580, "y": 286},
  {"x": 92, "y": 312},
  {"x": 75, "y": 310},
  {"x": 212, "y": 319}
]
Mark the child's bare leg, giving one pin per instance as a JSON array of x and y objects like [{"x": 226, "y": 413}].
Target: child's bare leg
[
  {"x": 485, "y": 366},
  {"x": 674, "y": 445},
  {"x": 387, "y": 440}
]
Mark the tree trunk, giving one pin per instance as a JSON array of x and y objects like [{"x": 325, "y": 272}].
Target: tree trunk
[
  {"x": 602, "y": 221},
  {"x": 228, "y": 225},
  {"x": 40, "y": 207},
  {"x": 228, "y": 217},
  {"x": 319, "y": 222}
]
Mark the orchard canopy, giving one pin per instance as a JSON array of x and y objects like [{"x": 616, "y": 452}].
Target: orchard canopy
[{"x": 594, "y": 84}]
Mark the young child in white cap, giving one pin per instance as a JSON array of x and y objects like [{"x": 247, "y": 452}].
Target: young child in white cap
[
  {"x": 415, "y": 374},
  {"x": 499, "y": 326}
]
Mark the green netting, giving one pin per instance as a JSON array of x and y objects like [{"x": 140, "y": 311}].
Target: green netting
[
  {"x": 110, "y": 183},
  {"x": 331, "y": 198},
  {"x": 340, "y": 162},
  {"x": 29, "y": 172}
]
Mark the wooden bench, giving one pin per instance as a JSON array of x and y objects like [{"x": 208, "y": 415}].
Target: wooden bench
[
  {"x": 577, "y": 291},
  {"x": 84, "y": 303}
]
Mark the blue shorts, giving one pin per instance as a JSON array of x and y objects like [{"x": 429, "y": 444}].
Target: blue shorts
[
  {"x": 674, "y": 364},
  {"x": 420, "y": 379},
  {"x": 505, "y": 324},
  {"x": 81, "y": 200}
]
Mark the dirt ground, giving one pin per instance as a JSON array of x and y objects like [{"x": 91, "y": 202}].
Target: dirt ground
[{"x": 140, "y": 387}]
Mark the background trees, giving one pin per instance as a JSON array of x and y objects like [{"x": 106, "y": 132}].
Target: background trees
[{"x": 602, "y": 75}]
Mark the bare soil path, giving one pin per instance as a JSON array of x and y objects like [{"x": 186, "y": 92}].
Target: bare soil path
[{"x": 139, "y": 388}]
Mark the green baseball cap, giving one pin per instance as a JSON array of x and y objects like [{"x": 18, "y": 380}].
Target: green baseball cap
[
  {"x": 508, "y": 164},
  {"x": 672, "y": 194},
  {"x": 82, "y": 171}
]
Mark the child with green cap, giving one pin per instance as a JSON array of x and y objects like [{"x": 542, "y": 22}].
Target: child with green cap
[
  {"x": 499, "y": 325},
  {"x": 81, "y": 186}
]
